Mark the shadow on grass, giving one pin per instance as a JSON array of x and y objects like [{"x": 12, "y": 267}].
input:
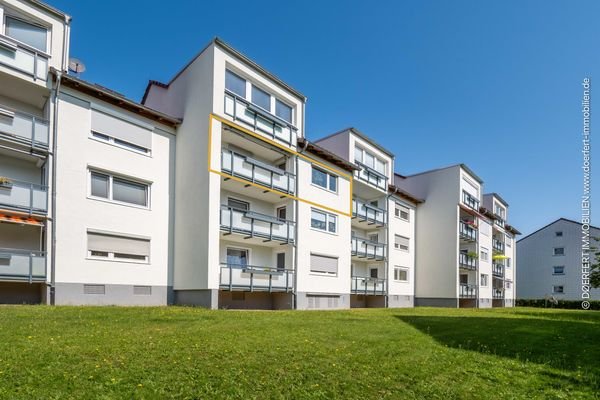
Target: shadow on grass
[{"x": 567, "y": 345}]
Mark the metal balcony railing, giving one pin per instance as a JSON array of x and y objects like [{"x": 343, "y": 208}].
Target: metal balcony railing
[
  {"x": 499, "y": 221},
  {"x": 23, "y": 58},
  {"x": 259, "y": 120},
  {"x": 253, "y": 224},
  {"x": 365, "y": 248},
  {"x": 366, "y": 212},
  {"x": 497, "y": 293},
  {"x": 256, "y": 171},
  {"x": 22, "y": 265},
  {"x": 371, "y": 176},
  {"x": 498, "y": 245},
  {"x": 467, "y": 291},
  {"x": 368, "y": 286},
  {"x": 498, "y": 270},
  {"x": 468, "y": 262},
  {"x": 467, "y": 232},
  {"x": 24, "y": 128},
  {"x": 24, "y": 196},
  {"x": 470, "y": 201},
  {"x": 255, "y": 278}
]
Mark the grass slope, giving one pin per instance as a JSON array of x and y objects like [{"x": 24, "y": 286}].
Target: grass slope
[{"x": 175, "y": 352}]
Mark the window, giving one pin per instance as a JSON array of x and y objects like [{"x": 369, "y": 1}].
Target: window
[
  {"x": 116, "y": 247},
  {"x": 508, "y": 241},
  {"x": 235, "y": 84},
  {"x": 283, "y": 111},
  {"x": 237, "y": 257},
  {"x": 122, "y": 190},
  {"x": 280, "y": 261},
  {"x": 464, "y": 279},
  {"x": 374, "y": 273},
  {"x": 484, "y": 254},
  {"x": 368, "y": 159},
  {"x": 30, "y": 34},
  {"x": 323, "y": 221},
  {"x": 120, "y": 132},
  {"x": 558, "y": 234},
  {"x": 484, "y": 279},
  {"x": 402, "y": 212},
  {"x": 559, "y": 251},
  {"x": 373, "y": 237},
  {"x": 323, "y": 264},
  {"x": 401, "y": 243},
  {"x": 282, "y": 213},
  {"x": 558, "y": 289},
  {"x": 324, "y": 179},
  {"x": 238, "y": 204},
  {"x": 401, "y": 274},
  {"x": 261, "y": 98},
  {"x": 508, "y": 284},
  {"x": 558, "y": 270}
]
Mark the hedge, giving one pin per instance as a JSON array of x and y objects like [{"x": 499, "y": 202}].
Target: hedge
[{"x": 567, "y": 304}]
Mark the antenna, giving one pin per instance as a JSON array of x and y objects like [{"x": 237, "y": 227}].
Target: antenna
[{"x": 76, "y": 66}]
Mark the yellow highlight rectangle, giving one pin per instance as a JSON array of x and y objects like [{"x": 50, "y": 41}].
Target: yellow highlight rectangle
[{"x": 288, "y": 150}]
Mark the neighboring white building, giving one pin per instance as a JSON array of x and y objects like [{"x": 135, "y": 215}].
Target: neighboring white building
[
  {"x": 460, "y": 260},
  {"x": 209, "y": 193},
  {"x": 550, "y": 262}
]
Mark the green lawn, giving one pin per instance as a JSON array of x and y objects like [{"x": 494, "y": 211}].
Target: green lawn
[{"x": 176, "y": 352}]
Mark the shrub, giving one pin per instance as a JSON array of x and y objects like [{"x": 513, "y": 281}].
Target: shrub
[{"x": 566, "y": 304}]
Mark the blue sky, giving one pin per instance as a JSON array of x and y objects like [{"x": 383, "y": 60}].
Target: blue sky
[{"x": 495, "y": 85}]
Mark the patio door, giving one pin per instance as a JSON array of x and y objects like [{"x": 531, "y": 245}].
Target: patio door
[{"x": 237, "y": 257}]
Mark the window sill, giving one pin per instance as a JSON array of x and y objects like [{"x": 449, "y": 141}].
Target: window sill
[
  {"x": 314, "y": 273},
  {"x": 118, "y": 203},
  {"x": 148, "y": 154},
  {"x": 322, "y": 231},
  {"x": 117, "y": 260},
  {"x": 325, "y": 189}
]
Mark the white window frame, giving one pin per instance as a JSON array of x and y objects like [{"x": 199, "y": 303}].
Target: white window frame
[
  {"x": 558, "y": 273},
  {"x": 397, "y": 269},
  {"x": 110, "y": 255},
  {"x": 329, "y": 176},
  {"x": 4, "y": 15},
  {"x": 397, "y": 245},
  {"x": 107, "y": 139},
  {"x": 109, "y": 199},
  {"x": 328, "y": 218},
  {"x": 375, "y": 159},
  {"x": 398, "y": 207},
  {"x": 558, "y": 286},
  {"x": 484, "y": 278},
  {"x": 484, "y": 254},
  {"x": 558, "y": 255}
]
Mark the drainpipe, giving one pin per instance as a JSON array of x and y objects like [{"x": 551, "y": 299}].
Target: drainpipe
[
  {"x": 387, "y": 247},
  {"x": 53, "y": 190},
  {"x": 296, "y": 225}
]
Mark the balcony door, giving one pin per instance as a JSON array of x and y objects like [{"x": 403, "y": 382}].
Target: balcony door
[
  {"x": 237, "y": 257},
  {"x": 280, "y": 261}
]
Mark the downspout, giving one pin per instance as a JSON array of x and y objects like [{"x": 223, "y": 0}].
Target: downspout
[
  {"x": 53, "y": 185},
  {"x": 386, "y": 263},
  {"x": 296, "y": 225}
]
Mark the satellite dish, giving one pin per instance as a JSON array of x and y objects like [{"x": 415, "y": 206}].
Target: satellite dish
[{"x": 76, "y": 66}]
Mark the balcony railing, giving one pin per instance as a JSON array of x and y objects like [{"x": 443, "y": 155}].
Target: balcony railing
[
  {"x": 256, "y": 278},
  {"x": 256, "y": 171},
  {"x": 498, "y": 245},
  {"x": 253, "y": 224},
  {"x": 467, "y": 232},
  {"x": 467, "y": 291},
  {"x": 466, "y": 261},
  {"x": 24, "y": 128},
  {"x": 259, "y": 120},
  {"x": 365, "y": 248},
  {"x": 368, "y": 286},
  {"x": 23, "y": 58},
  {"x": 497, "y": 293},
  {"x": 371, "y": 176},
  {"x": 470, "y": 201},
  {"x": 499, "y": 221},
  {"x": 24, "y": 196},
  {"x": 366, "y": 212},
  {"x": 498, "y": 270},
  {"x": 22, "y": 265}
]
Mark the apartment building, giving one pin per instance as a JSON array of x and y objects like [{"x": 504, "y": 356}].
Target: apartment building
[
  {"x": 550, "y": 262},
  {"x": 465, "y": 252},
  {"x": 33, "y": 38}
]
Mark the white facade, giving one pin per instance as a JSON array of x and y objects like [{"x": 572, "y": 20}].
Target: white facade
[{"x": 550, "y": 262}]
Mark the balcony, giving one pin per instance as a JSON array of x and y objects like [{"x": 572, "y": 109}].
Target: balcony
[
  {"x": 259, "y": 120},
  {"x": 368, "y": 213},
  {"x": 24, "y": 196},
  {"x": 467, "y": 291},
  {"x": 255, "y": 225},
  {"x": 368, "y": 286},
  {"x": 470, "y": 201},
  {"x": 499, "y": 221},
  {"x": 369, "y": 175},
  {"x": 255, "y": 171},
  {"x": 23, "y": 58},
  {"x": 498, "y": 246},
  {"x": 255, "y": 278},
  {"x": 22, "y": 265},
  {"x": 497, "y": 270},
  {"x": 467, "y": 261},
  {"x": 24, "y": 128},
  {"x": 497, "y": 293},
  {"x": 467, "y": 231},
  {"x": 364, "y": 248}
]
